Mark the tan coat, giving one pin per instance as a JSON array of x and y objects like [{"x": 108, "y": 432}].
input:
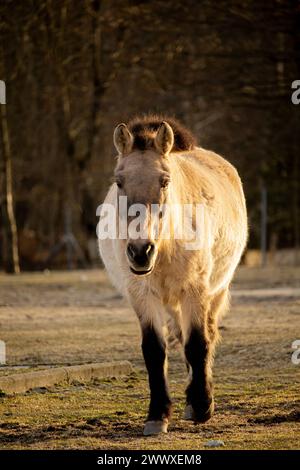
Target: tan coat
[{"x": 189, "y": 286}]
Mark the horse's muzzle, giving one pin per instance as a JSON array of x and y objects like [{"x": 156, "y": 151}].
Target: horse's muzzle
[{"x": 140, "y": 256}]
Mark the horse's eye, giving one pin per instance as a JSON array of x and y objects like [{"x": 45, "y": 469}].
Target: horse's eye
[
  {"x": 119, "y": 184},
  {"x": 164, "y": 183}
]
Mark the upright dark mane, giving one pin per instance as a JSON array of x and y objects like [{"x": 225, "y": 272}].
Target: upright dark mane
[{"x": 144, "y": 129}]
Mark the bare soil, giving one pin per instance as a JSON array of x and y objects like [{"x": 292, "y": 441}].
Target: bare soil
[{"x": 55, "y": 318}]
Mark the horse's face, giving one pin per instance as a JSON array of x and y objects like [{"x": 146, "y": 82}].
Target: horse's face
[{"x": 143, "y": 177}]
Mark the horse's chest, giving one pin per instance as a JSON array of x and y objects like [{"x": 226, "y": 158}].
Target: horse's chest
[{"x": 167, "y": 289}]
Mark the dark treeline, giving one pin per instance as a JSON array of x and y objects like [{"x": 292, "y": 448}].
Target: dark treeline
[{"x": 73, "y": 70}]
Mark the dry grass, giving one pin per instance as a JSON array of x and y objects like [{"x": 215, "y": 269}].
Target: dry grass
[{"x": 77, "y": 317}]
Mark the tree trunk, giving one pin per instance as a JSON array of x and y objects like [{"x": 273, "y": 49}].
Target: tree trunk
[
  {"x": 98, "y": 89},
  {"x": 10, "y": 236}
]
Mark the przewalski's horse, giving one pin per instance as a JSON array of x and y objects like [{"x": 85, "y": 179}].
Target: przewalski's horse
[{"x": 159, "y": 163}]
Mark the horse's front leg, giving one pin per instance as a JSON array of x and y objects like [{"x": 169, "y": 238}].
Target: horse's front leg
[
  {"x": 154, "y": 351},
  {"x": 154, "y": 348},
  {"x": 198, "y": 348}
]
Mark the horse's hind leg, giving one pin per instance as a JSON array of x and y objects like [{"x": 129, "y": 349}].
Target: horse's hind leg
[
  {"x": 174, "y": 329},
  {"x": 201, "y": 334},
  {"x": 175, "y": 335},
  {"x": 198, "y": 348},
  {"x": 218, "y": 307},
  {"x": 199, "y": 393}
]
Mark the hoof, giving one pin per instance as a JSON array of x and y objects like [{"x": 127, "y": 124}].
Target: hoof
[
  {"x": 188, "y": 413},
  {"x": 155, "y": 427},
  {"x": 200, "y": 416}
]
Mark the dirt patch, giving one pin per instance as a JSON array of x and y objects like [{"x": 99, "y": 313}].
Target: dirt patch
[{"x": 293, "y": 417}]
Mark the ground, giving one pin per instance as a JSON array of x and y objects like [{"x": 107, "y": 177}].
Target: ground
[{"x": 57, "y": 318}]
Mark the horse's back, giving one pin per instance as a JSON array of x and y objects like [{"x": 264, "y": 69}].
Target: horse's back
[
  {"x": 214, "y": 170},
  {"x": 218, "y": 186}
]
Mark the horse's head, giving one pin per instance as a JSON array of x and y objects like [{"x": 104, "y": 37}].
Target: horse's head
[{"x": 143, "y": 176}]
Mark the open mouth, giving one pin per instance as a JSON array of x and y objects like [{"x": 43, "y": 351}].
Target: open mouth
[{"x": 140, "y": 273}]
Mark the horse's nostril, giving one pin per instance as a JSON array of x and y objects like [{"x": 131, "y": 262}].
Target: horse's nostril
[
  {"x": 149, "y": 249},
  {"x": 131, "y": 251}
]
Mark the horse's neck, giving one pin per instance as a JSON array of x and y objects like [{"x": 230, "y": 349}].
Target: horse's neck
[{"x": 180, "y": 184}]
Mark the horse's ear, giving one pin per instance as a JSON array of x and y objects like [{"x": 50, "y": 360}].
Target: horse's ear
[
  {"x": 123, "y": 139},
  {"x": 164, "y": 139}
]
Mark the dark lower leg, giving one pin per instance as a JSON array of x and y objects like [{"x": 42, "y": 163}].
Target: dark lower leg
[
  {"x": 154, "y": 351},
  {"x": 199, "y": 392}
]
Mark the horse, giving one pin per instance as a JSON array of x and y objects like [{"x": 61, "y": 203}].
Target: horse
[{"x": 166, "y": 280}]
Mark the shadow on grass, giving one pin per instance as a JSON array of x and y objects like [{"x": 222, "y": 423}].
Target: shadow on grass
[{"x": 91, "y": 428}]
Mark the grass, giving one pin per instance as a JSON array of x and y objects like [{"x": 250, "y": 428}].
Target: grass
[{"x": 77, "y": 317}]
